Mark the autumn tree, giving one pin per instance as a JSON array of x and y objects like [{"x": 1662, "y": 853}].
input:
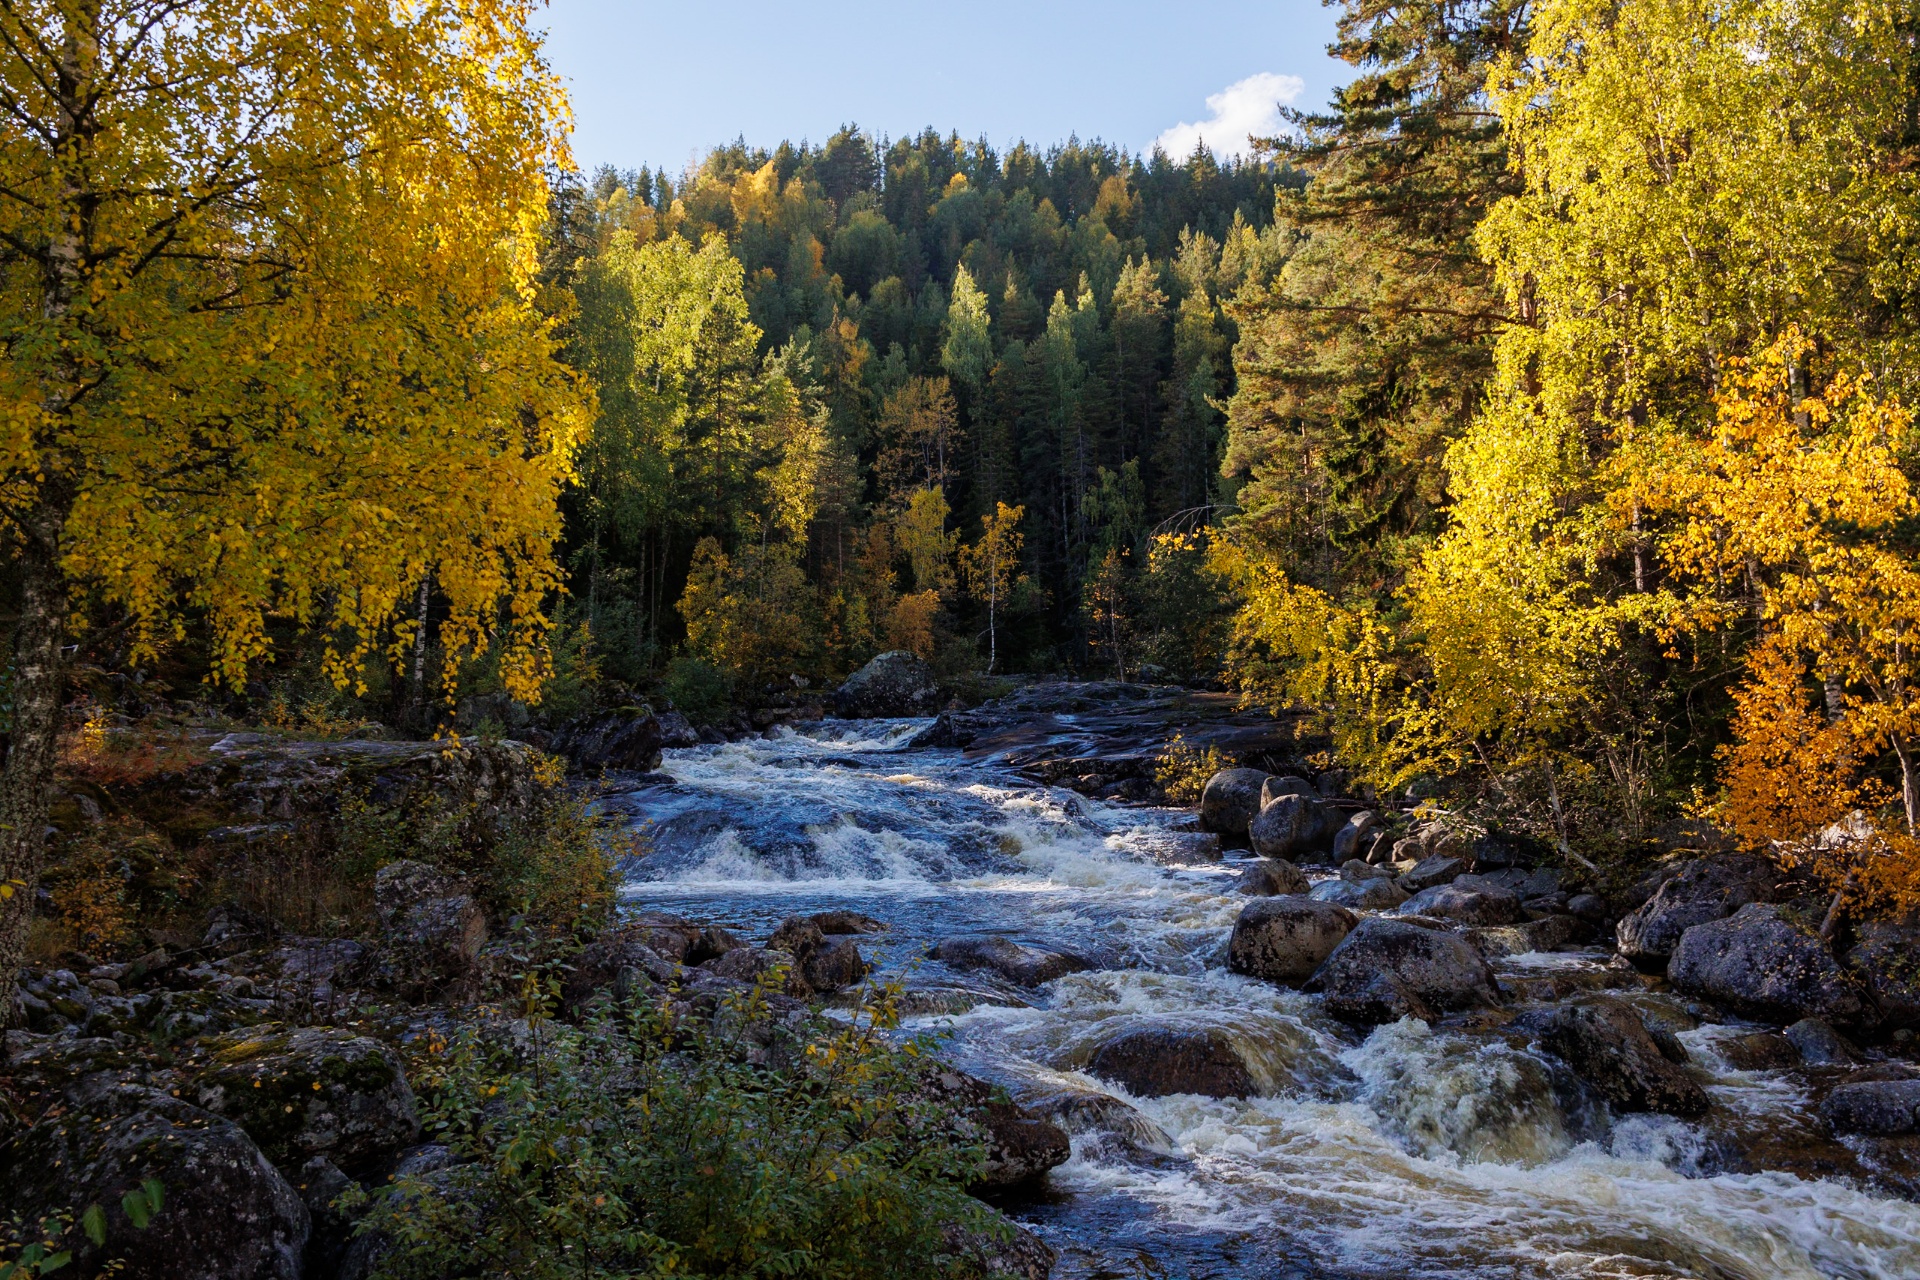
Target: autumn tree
[
  {"x": 269, "y": 340},
  {"x": 991, "y": 567}
]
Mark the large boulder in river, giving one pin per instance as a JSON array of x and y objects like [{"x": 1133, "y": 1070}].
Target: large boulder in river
[
  {"x": 1285, "y": 939},
  {"x": 1290, "y": 826},
  {"x": 1702, "y": 891},
  {"x": 1389, "y": 969},
  {"x": 1231, "y": 799},
  {"x": 1376, "y": 893},
  {"x": 629, "y": 738},
  {"x": 1879, "y": 1107},
  {"x": 1355, "y": 838},
  {"x": 1609, "y": 1047},
  {"x": 821, "y": 967},
  {"x": 228, "y": 1214},
  {"x": 1021, "y": 965},
  {"x": 1020, "y": 1146},
  {"x": 1269, "y": 876},
  {"x": 1761, "y": 964},
  {"x": 1153, "y": 1061},
  {"x": 1467, "y": 900},
  {"x": 1429, "y": 871},
  {"x": 1886, "y": 955},
  {"x": 316, "y": 1091},
  {"x": 897, "y": 683}
]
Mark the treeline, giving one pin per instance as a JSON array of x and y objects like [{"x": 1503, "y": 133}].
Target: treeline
[{"x": 862, "y": 396}]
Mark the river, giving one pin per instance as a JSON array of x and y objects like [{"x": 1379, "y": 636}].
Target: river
[{"x": 1410, "y": 1151}]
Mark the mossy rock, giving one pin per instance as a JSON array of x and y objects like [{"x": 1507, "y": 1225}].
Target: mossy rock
[{"x": 312, "y": 1091}]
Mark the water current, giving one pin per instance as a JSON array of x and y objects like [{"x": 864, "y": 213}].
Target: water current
[{"x": 1411, "y": 1151}]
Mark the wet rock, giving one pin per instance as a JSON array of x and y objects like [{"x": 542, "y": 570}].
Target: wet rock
[
  {"x": 1013, "y": 1253},
  {"x": 821, "y": 967},
  {"x": 1021, "y": 965},
  {"x": 628, "y": 739},
  {"x": 1356, "y": 837},
  {"x": 617, "y": 968},
  {"x": 1818, "y": 1044},
  {"x": 1550, "y": 934},
  {"x": 1467, "y": 900},
  {"x": 1155, "y": 1061},
  {"x": 1609, "y": 1047},
  {"x": 1388, "y": 969},
  {"x": 1431, "y": 871},
  {"x": 1878, "y": 1107},
  {"x": 1760, "y": 964},
  {"x": 1761, "y": 1051},
  {"x": 1355, "y": 869},
  {"x": 1230, "y": 800},
  {"x": 1378, "y": 894},
  {"x": 1021, "y": 1146},
  {"x": 1291, "y": 826},
  {"x": 1277, "y": 785},
  {"x": 671, "y": 937},
  {"x": 317, "y": 1091},
  {"x": 1180, "y": 848},
  {"x": 1703, "y": 891},
  {"x": 1886, "y": 955},
  {"x": 1587, "y": 906},
  {"x": 1284, "y": 939},
  {"x": 431, "y": 930},
  {"x": 1269, "y": 876},
  {"x": 1083, "y": 1111},
  {"x": 894, "y": 684},
  {"x": 840, "y": 922},
  {"x": 228, "y": 1213}
]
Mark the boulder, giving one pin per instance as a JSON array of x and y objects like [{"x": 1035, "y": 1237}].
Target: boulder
[
  {"x": 819, "y": 967},
  {"x": 1292, "y": 825},
  {"x": 227, "y": 1213},
  {"x": 1818, "y": 1044},
  {"x": 1549, "y": 934},
  {"x": 1760, "y": 1051},
  {"x": 1230, "y": 800},
  {"x": 1879, "y": 1107},
  {"x": 1286, "y": 785},
  {"x": 1389, "y": 969},
  {"x": 620, "y": 968},
  {"x": 1701, "y": 892},
  {"x": 1886, "y": 955},
  {"x": 1467, "y": 900},
  {"x": 839, "y": 922},
  {"x": 1021, "y": 965},
  {"x": 1377, "y": 894},
  {"x": 1284, "y": 939},
  {"x": 1762, "y": 965},
  {"x": 317, "y": 1091},
  {"x": 1021, "y": 1146},
  {"x": 628, "y": 739},
  {"x": 1153, "y": 1061},
  {"x": 1590, "y": 907},
  {"x": 1269, "y": 876},
  {"x": 1010, "y": 1253},
  {"x": 431, "y": 930},
  {"x": 1609, "y": 1047},
  {"x": 1355, "y": 869},
  {"x": 1356, "y": 838},
  {"x": 1430, "y": 871},
  {"x": 896, "y": 683}
]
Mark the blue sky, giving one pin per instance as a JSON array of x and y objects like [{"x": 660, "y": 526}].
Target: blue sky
[{"x": 659, "y": 83}]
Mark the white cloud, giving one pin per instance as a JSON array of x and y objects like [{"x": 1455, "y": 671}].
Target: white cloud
[{"x": 1250, "y": 107}]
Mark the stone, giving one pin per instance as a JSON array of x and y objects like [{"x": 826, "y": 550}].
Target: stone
[
  {"x": 228, "y": 1213},
  {"x": 431, "y": 930},
  {"x": 1355, "y": 838},
  {"x": 1879, "y": 1107},
  {"x": 1287, "y": 828},
  {"x": 1388, "y": 969},
  {"x": 627, "y": 740},
  {"x": 1355, "y": 869},
  {"x": 1270, "y": 876},
  {"x": 1467, "y": 900},
  {"x": 1010, "y": 1253},
  {"x": 1021, "y": 965},
  {"x": 1760, "y": 1051},
  {"x": 819, "y": 967},
  {"x": 1154, "y": 1061},
  {"x": 1762, "y": 965},
  {"x": 840, "y": 922},
  {"x": 1276, "y": 786},
  {"x": 1086, "y": 1111},
  {"x": 1284, "y": 939},
  {"x": 1377, "y": 894},
  {"x": 1703, "y": 891},
  {"x": 1551, "y": 933},
  {"x": 1818, "y": 1044},
  {"x": 1230, "y": 800},
  {"x": 317, "y": 1091},
  {"x": 620, "y": 968},
  {"x": 1609, "y": 1047},
  {"x": 1380, "y": 848},
  {"x": 1587, "y": 906},
  {"x": 1886, "y": 955},
  {"x": 896, "y": 683},
  {"x": 1431, "y": 871},
  {"x": 1021, "y": 1146}
]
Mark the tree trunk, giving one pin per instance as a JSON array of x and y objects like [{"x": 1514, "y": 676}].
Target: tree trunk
[{"x": 26, "y": 782}]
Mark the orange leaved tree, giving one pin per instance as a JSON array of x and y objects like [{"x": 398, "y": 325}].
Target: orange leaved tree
[{"x": 266, "y": 276}]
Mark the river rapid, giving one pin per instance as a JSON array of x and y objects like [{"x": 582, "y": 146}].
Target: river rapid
[{"x": 1411, "y": 1151}]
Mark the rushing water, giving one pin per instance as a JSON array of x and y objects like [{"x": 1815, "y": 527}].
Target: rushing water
[{"x": 1413, "y": 1151}]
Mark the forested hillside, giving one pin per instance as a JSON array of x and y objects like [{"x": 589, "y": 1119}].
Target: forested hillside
[{"x": 916, "y": 394}]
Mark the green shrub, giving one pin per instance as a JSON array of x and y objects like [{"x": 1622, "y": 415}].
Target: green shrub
[
  {"x": 644, "y": 1144},
  {"x": 701, "y": 691}
]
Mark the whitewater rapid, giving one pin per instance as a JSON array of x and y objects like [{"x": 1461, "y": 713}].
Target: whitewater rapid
[{"x": 1412, "y": 1151}]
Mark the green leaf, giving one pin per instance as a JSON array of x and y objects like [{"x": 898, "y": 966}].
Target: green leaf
[
  {"x": 135, "y": 1204},
  {"x": 55, "y": 1261},
  {"x": 94, "y": 1223},
  {"x": 156, "y": 1193}
]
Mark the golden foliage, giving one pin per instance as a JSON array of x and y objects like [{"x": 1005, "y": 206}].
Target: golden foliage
[{"x": 1182, "y": 769}]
